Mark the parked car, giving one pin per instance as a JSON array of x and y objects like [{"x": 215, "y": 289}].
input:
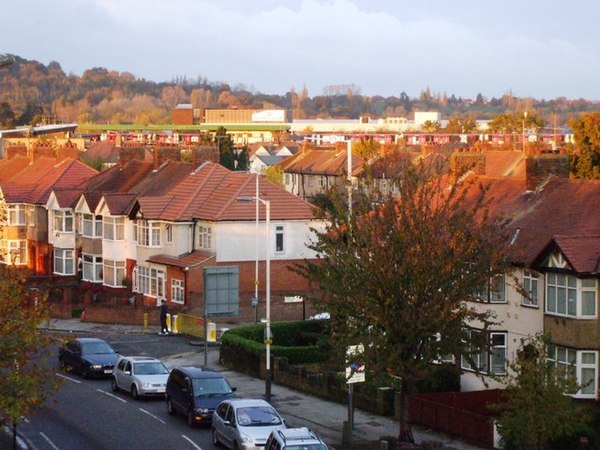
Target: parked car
[
  {"x": 88, "y": 357},
  {"x": 196, "y": 392},
  {"x": 244, "y": 423},
  {"x": 294, "y": 439},
  {"x": 140, "y": 375}
]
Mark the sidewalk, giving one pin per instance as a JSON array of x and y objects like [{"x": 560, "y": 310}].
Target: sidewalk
[{"x": 323, "y": 417}]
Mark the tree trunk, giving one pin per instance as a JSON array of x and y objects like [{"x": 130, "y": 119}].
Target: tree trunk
[{"x": 405, "y": 434}]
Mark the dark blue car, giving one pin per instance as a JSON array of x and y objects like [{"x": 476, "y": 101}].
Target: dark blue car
[
  {"x": 89, "y": 357},
  {"x": 196, "y": 392}
]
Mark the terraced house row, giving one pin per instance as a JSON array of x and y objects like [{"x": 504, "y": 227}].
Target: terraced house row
[
  {"x": 179, "y": 231},
  {"x": 164, "y": 228}
]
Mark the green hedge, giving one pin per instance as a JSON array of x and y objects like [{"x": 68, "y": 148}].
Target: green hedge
[{"x": 299, "y": 342}]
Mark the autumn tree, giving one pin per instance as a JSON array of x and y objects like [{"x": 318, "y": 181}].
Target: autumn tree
[
  {"x": 274, "y": 174},
  {"x": 538, "y": 406},
  {"x": 27, "y": 375},
  {"x": 366, "y": 148},
  {"x": 461, "y": 124},
  {"x": 586, "y": 158},
  {"x": 397, "y": 275}
]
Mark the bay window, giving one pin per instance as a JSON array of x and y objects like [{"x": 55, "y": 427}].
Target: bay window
[
  {"x": 64, "y": 261},
  {"x": 148, "y": 233},
  {"x": 62, "y": 221},
  {"x": 177, "y": 291},
  {"x": 150, "y": 281},
  {"x": 91, "y": 225},
  {"x": 17, "y": 215},
  {"x": 567, "y": 295},
  {"x": 582, "y": 364},
  {"x": 92, "y": 268},
  {"x": 114, "y": 272},
  {"x": 13, "y": 252},
  {"x": 113, "y": 228}
]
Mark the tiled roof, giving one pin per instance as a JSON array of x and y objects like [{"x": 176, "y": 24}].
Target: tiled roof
[
  {"x": 561, "y": 207},
  {"x": 501, "y": 163},
  {"x": 104, "y": 150},
  {"x": 12, "y": 167},
  {"x": 320, "y": 162},
  {"x": 182, "y": 261},
  {"x": 67, "y": 198},
  {"x": 119, "y": 203},
  {"x": 210, "y": 193},
  {"x": 581, "y": 252}
]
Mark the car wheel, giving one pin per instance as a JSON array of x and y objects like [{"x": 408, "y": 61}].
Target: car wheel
[
  {"x": 113, "y": 385},
  {"x": 190, "y": 418},
  {"x": 215, "y": 438},
  {"x": 134, "y": 392},
  {"x": 170, "y": 408}
]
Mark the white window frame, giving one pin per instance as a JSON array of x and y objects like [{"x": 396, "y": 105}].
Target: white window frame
[
  {"x": 148, "y": 233},
  {"x": 113, "y": 273},
  {"x": 169, "y": 233},
  {"x": 62, "y": 220},
  {"x": 279, "y": 239},
  {"x": 575, "y": 361},
  {"x": 489, "y": 295},
  {"x": 486, "y": 360},
  {"x": 91, "y": 225},
  {"x": 151, "y": 281},
  {"x": 531, "y": 285},
  {"x": 205, "y": 237},
  {"x": 14, "y": 251},
  {"x": 113, "y": 228},
  {"x": 63, "y": 258},
  {"x": 177, "y": 291},
  {"x": 575, "y": 289},
  {"x": 92, "y": 268},
  {"x": 17, "y": 215}
]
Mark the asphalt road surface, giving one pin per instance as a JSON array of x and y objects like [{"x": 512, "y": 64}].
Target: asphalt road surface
[{"x": 86, "y": 414}]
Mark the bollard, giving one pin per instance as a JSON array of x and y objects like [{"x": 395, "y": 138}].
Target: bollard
[
  {"x": 212, "y": 332},
  {"x": 169, "y": 322},
  {"x": 145, "y": 321},
  {"x": 175, "y": 324}
]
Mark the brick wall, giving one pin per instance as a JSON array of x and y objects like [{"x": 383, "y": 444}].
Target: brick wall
[{"x": 463, "y": 161}]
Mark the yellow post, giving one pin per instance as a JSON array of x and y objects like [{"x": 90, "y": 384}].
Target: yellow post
[
  {"x": 175, "y": 324},
  {"x": 145, "y": 321}
]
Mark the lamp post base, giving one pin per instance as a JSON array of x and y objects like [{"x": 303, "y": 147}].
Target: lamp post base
[{"x": 268, "y": 385}]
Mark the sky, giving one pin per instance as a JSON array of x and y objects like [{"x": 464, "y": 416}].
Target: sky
[{"x": 543, "y": 49}]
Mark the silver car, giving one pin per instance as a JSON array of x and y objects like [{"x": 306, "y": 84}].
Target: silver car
[
  {"x": 140, "y": 375},
  {"x": 244, "y": 424}
]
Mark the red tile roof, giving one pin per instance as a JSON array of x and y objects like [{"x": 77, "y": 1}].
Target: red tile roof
[
  {"x": 581, "y": 252},
  {"x": 320, "y": 162},
  {"x": 182, "y": 261},
  {"x": 210, "y": 193}
]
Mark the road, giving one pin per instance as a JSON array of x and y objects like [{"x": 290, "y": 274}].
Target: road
[{"x": 86, "y": 414}]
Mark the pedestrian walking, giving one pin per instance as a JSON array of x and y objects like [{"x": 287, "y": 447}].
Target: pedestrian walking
[{"x": 164, "y": 310}]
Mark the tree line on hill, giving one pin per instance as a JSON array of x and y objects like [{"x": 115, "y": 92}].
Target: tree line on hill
[{"x": 31, "y": 93}]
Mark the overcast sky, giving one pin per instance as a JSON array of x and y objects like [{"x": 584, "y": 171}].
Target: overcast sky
[{"x": 534, "y": 48}]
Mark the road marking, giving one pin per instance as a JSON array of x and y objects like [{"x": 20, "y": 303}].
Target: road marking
[
  {"x": 190, "y": 441},
  {"x": 49, "y": 441},
  {"x": 68, "y": 378},
  {"x": 112, "y": 395},
  {"x": 152, "y": 415}
]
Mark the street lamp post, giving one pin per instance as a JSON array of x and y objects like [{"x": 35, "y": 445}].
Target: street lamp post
[
  {"x": 268, "y": 338},
  {"x": 523, "y": 132}
]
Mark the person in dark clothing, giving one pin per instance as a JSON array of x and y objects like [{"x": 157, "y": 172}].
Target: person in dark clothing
[{"x": 163, "y": 318}]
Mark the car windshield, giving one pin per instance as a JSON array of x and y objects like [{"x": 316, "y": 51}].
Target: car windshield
[
  {"x": 205, "y": 387},
  {"x": 95, "y": 348},
  {"x": 257, "y": 416},
  {"x": 150, "y": 368}
]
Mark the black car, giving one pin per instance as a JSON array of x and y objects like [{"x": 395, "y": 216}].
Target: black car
[
  {"x": 196, "y": 392},
  {"x": 89, "y": 357}
]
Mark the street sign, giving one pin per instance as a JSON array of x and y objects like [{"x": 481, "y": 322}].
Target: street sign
[{"x": 355, "y": 366}]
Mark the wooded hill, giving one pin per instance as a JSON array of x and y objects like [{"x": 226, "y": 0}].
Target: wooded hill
[{"x": 32, "y": 93}]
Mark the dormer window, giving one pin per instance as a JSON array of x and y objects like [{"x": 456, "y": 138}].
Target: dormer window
[{"x": 567, "y": 295}]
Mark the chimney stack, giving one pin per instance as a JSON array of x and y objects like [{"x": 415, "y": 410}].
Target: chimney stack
[{"x": 548, "y": 163}]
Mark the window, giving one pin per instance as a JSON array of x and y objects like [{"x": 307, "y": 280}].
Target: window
[
  {"x": 583, "y": 364},
  {"x": 114, "y": 272},
  {"x": 151, "y": 281},
  {"x": 91, "y": 226},
  {"x": 279, "y": 238},
  {"x": 64, "y": 261},
  {"x": 148, "y": 233},
  {"x": 205, "y": 237},
  {"x": 177, "y": 291},
  {"x": 495, "y": 291},
  {"x": 530, "y": 286},
  {"x": 169, "y": 233},
  {"x": 567, "y": 295},
  {"x": 92, "y": 268},
  {"x": 114, "y": 228},
  {"x": 492, "y": 361},
  {"x": 17, "y": 215},
  {"x": 13, "y": 252},
  {"x": 62, "y": 221}
]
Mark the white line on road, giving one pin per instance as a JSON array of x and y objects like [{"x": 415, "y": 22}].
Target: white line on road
[
  {"x": 190, "y": 441},
  {"x": 152, "y": 415},
  {"x": 111, "y": 395},
  {"x": 49, "y": 441},
  {"x": 68, "y": 378}
]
